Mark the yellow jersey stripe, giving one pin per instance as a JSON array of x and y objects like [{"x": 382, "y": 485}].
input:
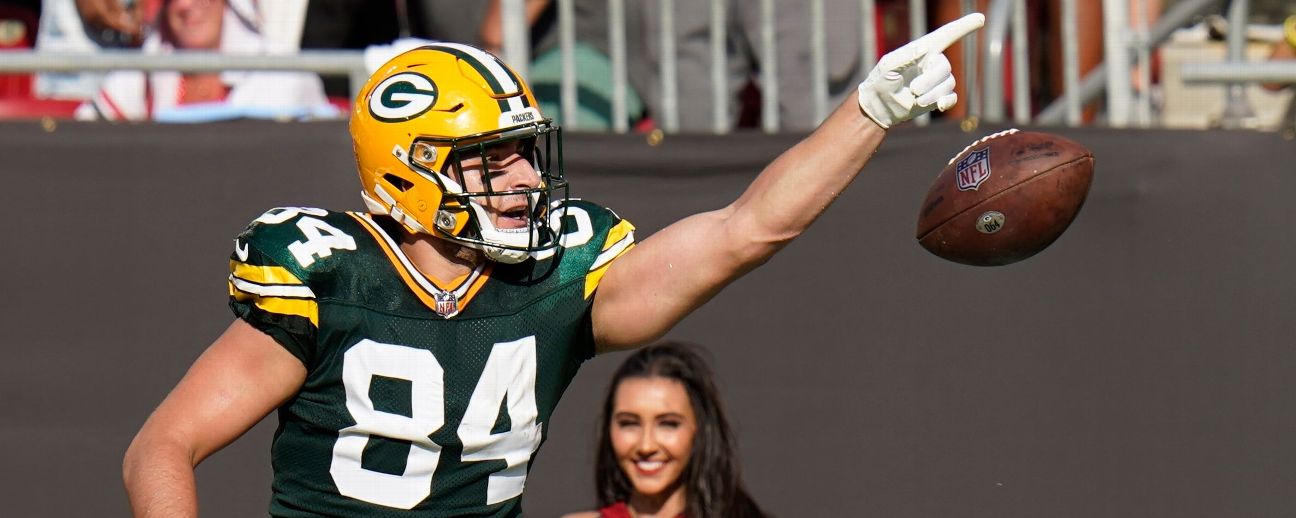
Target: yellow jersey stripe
[
  {"x": 620, "y": 239},
  {"x": 263, "y": 274},
  {"x": 595, "y": 276},
  {"x": 618, "y": 232}
]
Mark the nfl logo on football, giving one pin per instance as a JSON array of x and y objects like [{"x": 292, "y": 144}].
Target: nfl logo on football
[{"x": 973, "y": 170}]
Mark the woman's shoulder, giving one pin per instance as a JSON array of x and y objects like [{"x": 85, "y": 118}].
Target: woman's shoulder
[{"x": 583, "y": 514}]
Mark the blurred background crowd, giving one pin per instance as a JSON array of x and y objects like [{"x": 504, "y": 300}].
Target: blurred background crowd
[{"x": 381, "y": 28}]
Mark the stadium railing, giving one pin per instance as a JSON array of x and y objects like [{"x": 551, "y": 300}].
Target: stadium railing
[{"x": 1125, "y": 50}]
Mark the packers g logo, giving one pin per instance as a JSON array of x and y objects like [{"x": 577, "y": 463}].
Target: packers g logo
[{"x": 402, "y": 97}]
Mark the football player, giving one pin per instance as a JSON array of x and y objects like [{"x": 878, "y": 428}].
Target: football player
[{"x": 415, "y": 352}]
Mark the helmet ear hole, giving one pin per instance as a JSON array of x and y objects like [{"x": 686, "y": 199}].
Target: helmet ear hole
[{"x": 399, "y": 183}]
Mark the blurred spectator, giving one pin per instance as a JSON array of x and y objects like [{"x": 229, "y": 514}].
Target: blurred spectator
[
  {"x": 19, "y": 28},
  {"x": 85, "y": 26},
  {"x": 228, "y": 26},
  {"x": 593, "y": 65},
  {"x": 744, "y": 52},
  {"x": 18, "y": 22},
  {"x": 384, "y": 29},
  {"x": 692, "y": 28},
  {"x": 357, "y": 24},
  {"x": 491, "y": 32},
  {"x": 63, "y": 30},
  {"x": 360, "y": 24},
  {"x": 115, "y": 23},
  {"x": 1284, "y": 49},
  {"x": 348, "y": 24}
]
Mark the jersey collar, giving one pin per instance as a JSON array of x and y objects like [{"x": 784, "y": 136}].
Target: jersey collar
[{"x": 446, "y": 301}]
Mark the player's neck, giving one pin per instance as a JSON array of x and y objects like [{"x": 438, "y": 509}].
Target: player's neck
[{"x": 440, "y": 259}]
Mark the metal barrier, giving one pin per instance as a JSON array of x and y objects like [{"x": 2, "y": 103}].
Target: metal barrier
[
  {"x": 1239, "y": 72},
  {"x": 1004, "y": 13},
  {"x": 1128, "y": 47},
  {"x": 1125, "y": 48},
  {"x": 338, "y": 62},
  {"x": 1095, "y": 84},
  {"x": 1236, "y": 107}
]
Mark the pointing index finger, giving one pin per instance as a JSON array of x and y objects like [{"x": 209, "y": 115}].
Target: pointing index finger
[
  {"x": 935, "y": 41},
  {"x": 941, "y": 39}
]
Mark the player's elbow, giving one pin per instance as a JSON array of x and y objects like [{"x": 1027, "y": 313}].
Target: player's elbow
[
  {"x": 753, "y": 241},
  {"x": 149, "y": 451},
  {"x": 133, "y": 464},
  {"x": 135, "y": 461}
]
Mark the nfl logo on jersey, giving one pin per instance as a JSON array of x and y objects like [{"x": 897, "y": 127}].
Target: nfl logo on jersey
[
  {"x": 447, "y": 305},
  {"x": 973, "y": 170}
]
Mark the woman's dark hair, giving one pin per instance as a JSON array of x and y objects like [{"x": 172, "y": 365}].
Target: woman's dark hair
[{"x": 712, "y": 480}]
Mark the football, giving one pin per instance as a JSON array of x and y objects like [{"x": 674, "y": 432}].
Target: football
[{"x": 1005, "y": 197}]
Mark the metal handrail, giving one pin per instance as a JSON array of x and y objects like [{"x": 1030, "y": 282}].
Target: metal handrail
[
  {"x": 339, "y": 62},
  {"x": 1263, "y": 72},
  {"x": 351, "y": 63},
  {"x": 331, "y": 62}
]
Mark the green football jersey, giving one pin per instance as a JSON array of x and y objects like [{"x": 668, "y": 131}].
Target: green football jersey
[{"x": 420, "y": 399}]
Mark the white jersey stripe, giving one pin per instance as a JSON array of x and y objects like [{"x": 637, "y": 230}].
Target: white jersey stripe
[
  {"x": 613, "y": 251},
  {"x": 272, "y": 290}
]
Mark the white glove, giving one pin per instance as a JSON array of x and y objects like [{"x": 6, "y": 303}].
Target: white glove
[{"x": 916, "y": 78}]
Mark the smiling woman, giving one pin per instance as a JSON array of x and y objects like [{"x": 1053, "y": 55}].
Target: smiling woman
[{"x": 665, "y": 448}]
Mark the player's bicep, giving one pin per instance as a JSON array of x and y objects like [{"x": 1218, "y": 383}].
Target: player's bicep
[
  {"x": 655, "y": 285},
  {"x": 237, "y": 381}
]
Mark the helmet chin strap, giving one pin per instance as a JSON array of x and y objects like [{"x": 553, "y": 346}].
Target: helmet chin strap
[{"x": 504, "y": 255}]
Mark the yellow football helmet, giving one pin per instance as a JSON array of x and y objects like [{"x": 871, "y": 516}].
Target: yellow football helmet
[{"x": 427, "y": 109}]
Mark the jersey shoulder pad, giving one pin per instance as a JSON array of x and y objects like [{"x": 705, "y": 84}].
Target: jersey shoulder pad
[
  {"x": 276, "y": 271},
  {"x": 591, "y": 238},
  {"x": 592, "y": 233},
  {"x": 297, "y": 239}
]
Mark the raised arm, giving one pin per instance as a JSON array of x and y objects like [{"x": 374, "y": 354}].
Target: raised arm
[
  {"x": 241, "y": 377},
  {"x": 672, "y": 272}
]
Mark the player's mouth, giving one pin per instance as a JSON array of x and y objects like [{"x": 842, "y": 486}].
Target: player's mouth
[{"x": 516, "y": 220}]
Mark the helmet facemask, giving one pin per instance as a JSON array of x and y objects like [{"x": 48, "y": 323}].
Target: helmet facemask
[{"x": 466, "y": 216}]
